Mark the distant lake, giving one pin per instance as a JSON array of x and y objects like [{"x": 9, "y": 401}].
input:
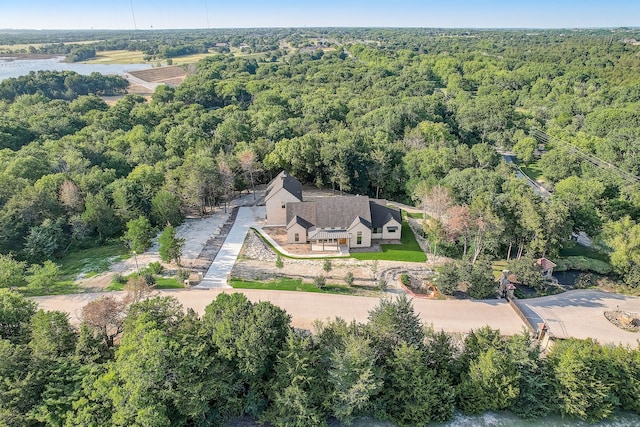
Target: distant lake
[{"x": 20, "y": 67}]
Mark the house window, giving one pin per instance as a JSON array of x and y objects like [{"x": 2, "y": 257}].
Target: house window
[
  {"x": 392, "y": 229},
  {"x": 377, "y": 230},
  {"x": 282, "y": 205},
  {"x": 359, "y": 238},
  {"x": 296, "y": 237}
]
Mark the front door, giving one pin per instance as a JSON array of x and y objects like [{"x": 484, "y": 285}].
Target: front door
[{"x": 342, "y": 241}]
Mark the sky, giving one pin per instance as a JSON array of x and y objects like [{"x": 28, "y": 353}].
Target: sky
[{"x": 167, "y": 14}]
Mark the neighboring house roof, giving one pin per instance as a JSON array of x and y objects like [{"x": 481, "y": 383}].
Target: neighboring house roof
[
  {"x": 286, "y": 181},
  {"x": 545, "y": 264},
  {"x": 300, "y": 221},
  {"x": 381, "y": 214}
]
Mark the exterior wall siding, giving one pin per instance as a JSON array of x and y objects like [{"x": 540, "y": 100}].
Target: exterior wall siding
[
  {"x": 366, "y": 236},
  {"x": 385, "y": 230},
  {"x": 276, "y": 215},
  {"x": 291, "y": 234}
]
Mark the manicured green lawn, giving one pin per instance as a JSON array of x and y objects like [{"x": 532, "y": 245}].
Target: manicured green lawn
[
  {"x": 416, "y": 215},
  {"x": 497, "y": 267},
  {"x": 408, "y": 250},
  {"x": 161, "y": 283},
  {"x": 285, "y": 284},
  {"x": 168, "y": 283}
]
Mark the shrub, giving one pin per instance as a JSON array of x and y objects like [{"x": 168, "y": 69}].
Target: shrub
[
  {"x": 182, "y": 274},
  {"x": 448, "y": 278},
  {"x": 279, "y": 263},
  {"x": 155, "y": 267},
  {"x": 405, "y": 279},
  {"x": 348, "y": 279},
  {"x": 481, "y": 284},
  {"x": 585, "y": 280},
  {"x": 582, "y": 263},
  {"x": 119, "y": 278},
  {"x": 382, "y": 284},
  {"x": 327, "y": 265},
  {"x": 527, "y": 272},
  {"x": 148, "y": 278},
  {"x": 320, "y": 281}
]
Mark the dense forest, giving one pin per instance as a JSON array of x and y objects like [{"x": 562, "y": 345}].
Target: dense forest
[
  {"x": 152, "y": 364},
  {"x": 412, "y": 115}
]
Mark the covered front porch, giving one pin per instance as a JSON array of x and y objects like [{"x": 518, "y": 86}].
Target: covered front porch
[{"x": 329, "y": 240}]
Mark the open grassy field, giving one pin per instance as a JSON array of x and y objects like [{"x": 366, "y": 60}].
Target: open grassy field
[
  {"x": 117, "y": 57},
  {"x": 408, "y": 250},
  {"x": 137, "y": 57},
  {"x": 497, "y": 267}
]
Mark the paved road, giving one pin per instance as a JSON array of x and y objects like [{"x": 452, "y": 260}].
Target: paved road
[
  {"x": 577, "y": 314},
  {"x": 216, "y": 276},
  {"x": 305, "y": 308}
]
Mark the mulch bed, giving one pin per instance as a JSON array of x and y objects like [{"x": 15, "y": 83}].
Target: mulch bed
[{"x": 623, "y": 320}]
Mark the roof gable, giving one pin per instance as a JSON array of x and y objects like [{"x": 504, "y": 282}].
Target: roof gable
[
  {"x": 359, "y": 220},
  {"x": 284, "y": 181},
  {"x": 382, "y": 214},
  {"x": 300, "y": 221}
]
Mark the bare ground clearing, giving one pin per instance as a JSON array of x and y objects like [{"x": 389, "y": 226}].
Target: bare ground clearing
[{"x": 202, "y": 239}]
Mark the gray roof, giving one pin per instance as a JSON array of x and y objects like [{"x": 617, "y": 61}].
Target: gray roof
[
  {"x": 299, "y": 220},
  {"x": 286, "y": 181},
  {"x": 332, "y": 212},
  {"x": 337, "y": 212},
  {"x": 381, "y": 214},
  {"x": 321, "y": 234},
  {"x": 305, "y": 210}
]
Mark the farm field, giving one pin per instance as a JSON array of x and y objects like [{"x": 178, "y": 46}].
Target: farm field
[{"x": 137, "y": 57}]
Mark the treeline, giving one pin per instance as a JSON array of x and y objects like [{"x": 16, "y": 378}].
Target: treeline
[
  {"x": 81, "y": 53},
  {"x": 152, "y": 364},
  {"x": 67, "y": 85}
]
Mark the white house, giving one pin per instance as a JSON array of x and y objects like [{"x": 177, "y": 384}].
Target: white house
[{"x": 329, "y": 222}]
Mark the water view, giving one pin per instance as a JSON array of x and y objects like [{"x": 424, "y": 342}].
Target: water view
[{"x": 10, "y": 67}]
